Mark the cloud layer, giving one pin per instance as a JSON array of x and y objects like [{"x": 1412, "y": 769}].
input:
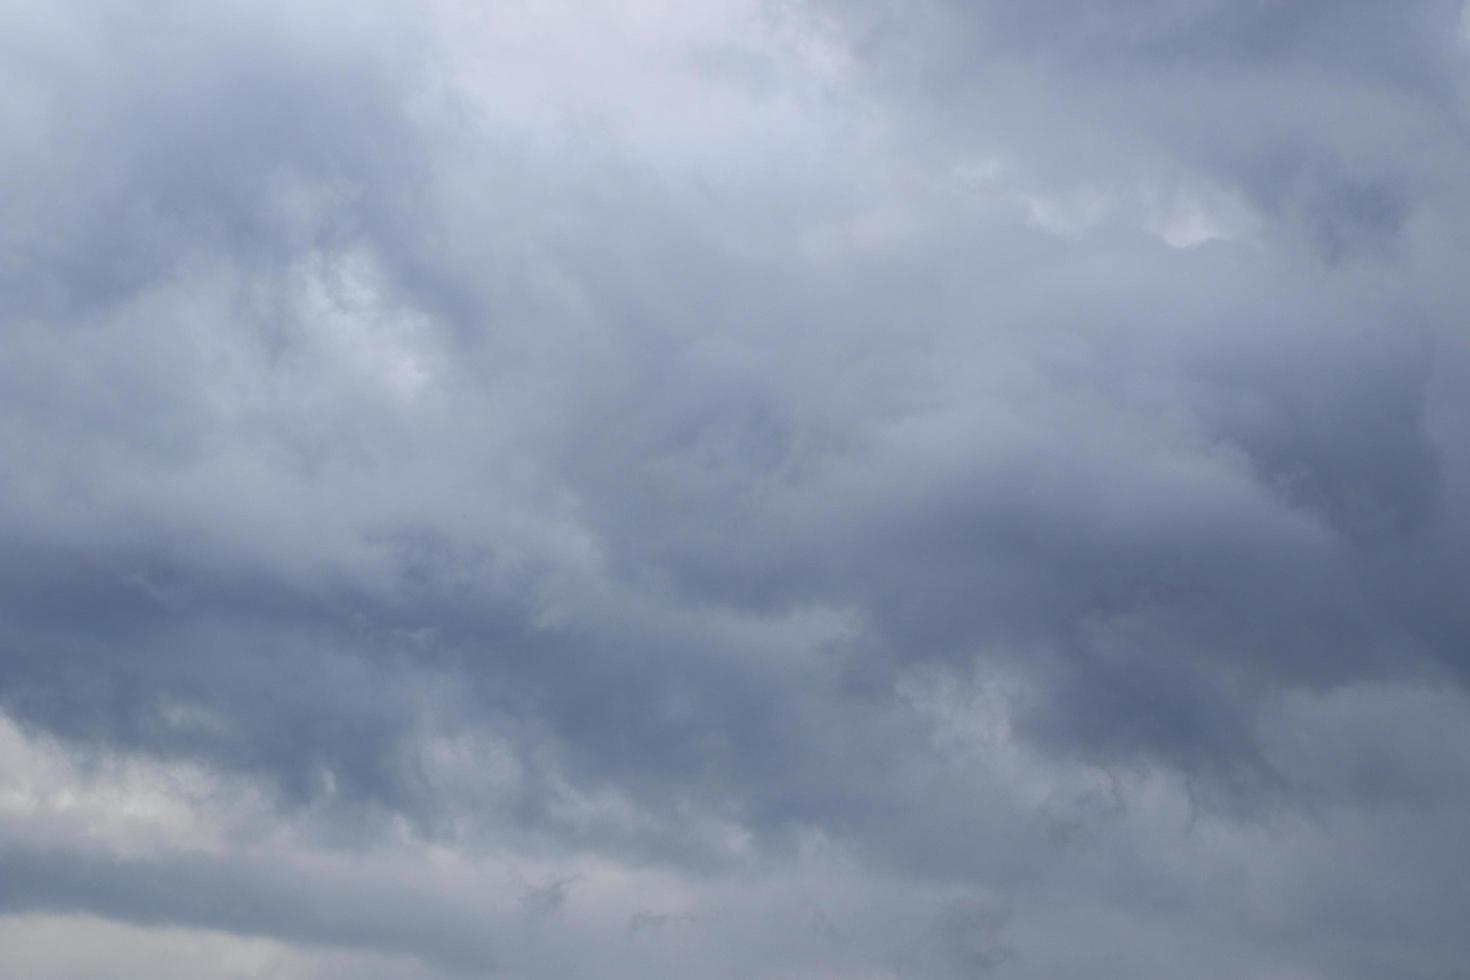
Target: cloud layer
[{"x": 740, "y": 489}]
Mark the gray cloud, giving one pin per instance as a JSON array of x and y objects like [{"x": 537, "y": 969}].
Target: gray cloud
[{"x": 984, "y": 478}]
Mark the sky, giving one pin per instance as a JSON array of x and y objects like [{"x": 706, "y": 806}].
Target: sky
[{"x": 734, "y": 490}]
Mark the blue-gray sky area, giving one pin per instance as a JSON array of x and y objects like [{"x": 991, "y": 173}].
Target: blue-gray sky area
[{"x": 734, "y": 489}]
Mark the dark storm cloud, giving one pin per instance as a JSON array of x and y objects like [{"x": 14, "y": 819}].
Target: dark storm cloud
[{"x": 946, "y": 456}]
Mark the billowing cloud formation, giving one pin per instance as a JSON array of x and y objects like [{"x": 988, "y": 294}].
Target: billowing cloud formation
[{"x": 737, "y": 489}]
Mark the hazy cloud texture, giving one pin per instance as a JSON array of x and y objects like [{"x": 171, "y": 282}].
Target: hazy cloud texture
[{"x": 736, "y": 489}]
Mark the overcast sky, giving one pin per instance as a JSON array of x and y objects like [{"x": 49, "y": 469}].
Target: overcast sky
[{"x": 734, "y": 489}]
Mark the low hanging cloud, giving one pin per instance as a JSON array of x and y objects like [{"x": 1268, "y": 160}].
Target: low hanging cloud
[{"x": 739, "y": 489}]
